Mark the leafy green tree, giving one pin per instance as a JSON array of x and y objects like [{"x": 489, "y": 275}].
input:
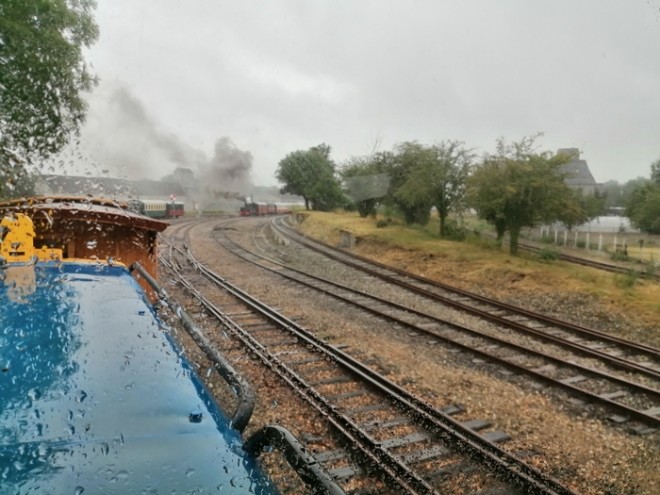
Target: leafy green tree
[
  {"x": 438, "y": 178},
  {"x": 519, "y": 187},
  {"x": 655, "y": 172},
  {"x": 580, "y": 208},
  {"x": 311, "y": 174},
  {"x": 399, "y": 165},
  {"x": 643, "y": 207},
  {"x": 42, "y": 75},
  {"x": 365, "y": 183}
]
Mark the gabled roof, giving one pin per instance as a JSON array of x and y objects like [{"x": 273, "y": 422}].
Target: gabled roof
[{"x": 578, "y": 173}]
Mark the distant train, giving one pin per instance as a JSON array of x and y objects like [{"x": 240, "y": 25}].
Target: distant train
[
  {"x": 255, "y": 209},
  {"x": 156, "y": 208},
  {"x": 258, "y": 209}
]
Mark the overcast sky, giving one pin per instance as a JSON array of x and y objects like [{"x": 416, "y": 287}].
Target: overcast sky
[{"x": 279, "y": 75}]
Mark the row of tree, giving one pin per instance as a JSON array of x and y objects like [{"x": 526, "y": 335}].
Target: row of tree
[{"x": 516, "y": 187}]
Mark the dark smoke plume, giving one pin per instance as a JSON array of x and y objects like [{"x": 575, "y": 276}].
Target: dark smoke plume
[{"x": 121, "y": 139}]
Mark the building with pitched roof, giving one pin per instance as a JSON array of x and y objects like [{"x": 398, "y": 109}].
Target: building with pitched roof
[{"x": 578, "y": 174}]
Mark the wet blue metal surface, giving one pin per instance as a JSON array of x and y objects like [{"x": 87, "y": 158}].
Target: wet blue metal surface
[{"x": 95, "y": 399}]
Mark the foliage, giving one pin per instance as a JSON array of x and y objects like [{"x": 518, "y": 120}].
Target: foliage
[
  {"x": 643, "y": 208},
  {"x": 619, "y": 256},
  {"x": 626, "y": 280},
  {"x": 311, "y": 174},
  {"x": 398, "y": 166},
  {"x": 580, "y": 208},
  {"x": 454, "y": 231},
  {"x": 618, "y": 195},
  {"x": 365, "y": 183},
  {"x": 547, "y": 254},
  {"x": 655, "y": 172},
  {"x": 42, "y": 75},
  {"x": 436, "y": 178},
  {"x": 519, "y": 187}
]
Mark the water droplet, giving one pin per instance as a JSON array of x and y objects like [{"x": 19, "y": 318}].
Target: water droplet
[{"x": 34, "y": 394}]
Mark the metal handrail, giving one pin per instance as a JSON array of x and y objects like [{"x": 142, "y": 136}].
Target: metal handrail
[{"x": 240, "y": 386}]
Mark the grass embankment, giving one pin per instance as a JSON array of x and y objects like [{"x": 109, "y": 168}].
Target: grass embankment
[{"x": 477, "y": 264}]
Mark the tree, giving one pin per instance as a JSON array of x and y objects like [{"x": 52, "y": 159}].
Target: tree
[
  {"x": 643, "y": 206},
  {"x": 655, "y": 172},
  {"x": 399, "y": 165},
  {"x": 519, "y": 187},
  {"x": 438, "y": 178},
  {"x": 580, "y": 208},
  {"x": 42, "y": 75},
  {"x": 365, "y": 183},
  {"x": 311, "y": 174}
]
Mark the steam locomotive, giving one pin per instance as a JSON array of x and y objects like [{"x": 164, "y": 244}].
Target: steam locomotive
[{"x": 258, "y": 209}]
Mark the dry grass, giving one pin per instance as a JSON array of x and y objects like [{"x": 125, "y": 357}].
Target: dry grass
[{"x": 476, "y": 263}]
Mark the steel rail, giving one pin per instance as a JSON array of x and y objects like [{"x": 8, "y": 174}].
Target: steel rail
[
  {"x": 503, "y": 463},
  {"x": 563, "y": 325},
  {"x": 395, "y": 471},
  {"x": 353, "y": 300}
]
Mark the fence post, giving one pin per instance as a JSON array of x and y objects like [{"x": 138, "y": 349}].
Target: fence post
[
  {"x": 588, "y": 245},
  {"x": 556, "y": 235},
  {"x": 600, "y": 242}
]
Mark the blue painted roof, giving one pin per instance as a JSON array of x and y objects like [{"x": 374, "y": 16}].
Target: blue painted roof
[{"x": 95, "y": 398}]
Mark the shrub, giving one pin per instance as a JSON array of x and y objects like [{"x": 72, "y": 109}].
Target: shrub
[
  {"x": 619, "y": 256},
  {"x": 382, "y": 223},
  {"x": 548, "y": 254},
  {"x": 627, "y": 280},
  {"x": 650, "y": 269},
  {"x": 454, "y": 231}
]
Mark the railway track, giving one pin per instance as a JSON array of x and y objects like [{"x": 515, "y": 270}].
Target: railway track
[
  {"x": 608, "y": 267},
  {"x": 388, "y": 432},
  {"x": 634, "y": 404},
  {"x": 625, "y": 354},
  {"x": 578, "y": 260}
]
